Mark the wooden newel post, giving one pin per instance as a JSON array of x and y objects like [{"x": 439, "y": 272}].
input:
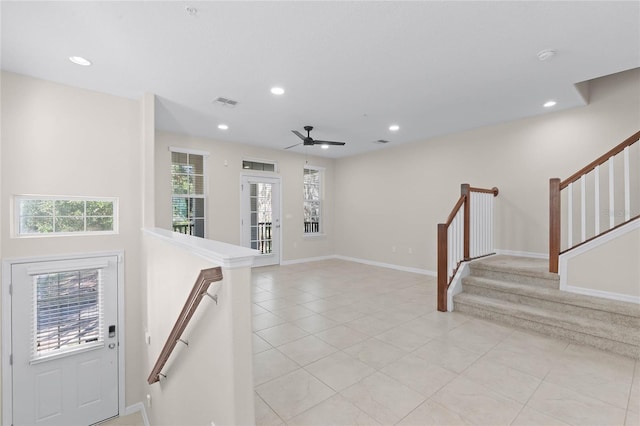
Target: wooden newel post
[
  {"x": 466, "y": 192},
  {"x": 554, "y": 224},
  {"x": 443, "y": 274}
]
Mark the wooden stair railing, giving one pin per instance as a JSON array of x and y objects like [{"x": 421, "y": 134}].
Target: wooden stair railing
[
  {"x": 467, "y": 234},
  {"x": 556, "y": 186},
  {"x": 199, "y": 290}
]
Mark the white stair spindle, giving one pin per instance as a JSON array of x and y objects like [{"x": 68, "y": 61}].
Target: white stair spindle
[
  {"x": 627, "y": 188},
  {"x": 491, "y": 235},
  {"x": 612, "y": 204},
  {"x": 570, "y": 215},
  {"x": 583, "y": 208},
  {"x": 596, "y": 201}
]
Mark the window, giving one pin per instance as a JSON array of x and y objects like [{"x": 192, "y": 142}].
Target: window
[
  {"x": 312, "y": 200},
  {"x": 40, "y": 215},
  {"x": 266, "y": 166},
  {"x": 68, "y": 311},
  {"x": 188, "y": 198}
]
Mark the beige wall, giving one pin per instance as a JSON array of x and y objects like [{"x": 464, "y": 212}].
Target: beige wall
[
  {"x": 59, "y": 140},
  {"x": 223, "y": 202},
  {"x": 398, "y": 195},
  {"x": 612, "y": 267},
  {"x": 211, "y": 380}
]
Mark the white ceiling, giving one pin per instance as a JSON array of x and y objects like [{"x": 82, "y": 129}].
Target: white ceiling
[{"x": 349, "y": 68}]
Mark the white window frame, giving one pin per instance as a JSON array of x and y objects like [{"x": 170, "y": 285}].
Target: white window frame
[
  {"x": 16, "y": 200},
  {"x": 205, "y": 183},
  {"x": 321, "y": 171},
  {"x": 263, "y": 161}
]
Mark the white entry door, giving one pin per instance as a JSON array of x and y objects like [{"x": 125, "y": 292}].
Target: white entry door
[
  {"x": 261, "y": 218},
  {"x": 64, "y": 341}
]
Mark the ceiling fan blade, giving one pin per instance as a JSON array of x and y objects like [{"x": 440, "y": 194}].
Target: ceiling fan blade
[
  {"x": 293, "y": 145},
  {"x": 317, "y": 142},
  {"x": 298, "y": 134}
]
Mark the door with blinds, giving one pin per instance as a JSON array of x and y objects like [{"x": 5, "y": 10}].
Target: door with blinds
[
  {"x": 261, "y": 218},
  {"x": 64, "y": 341}
]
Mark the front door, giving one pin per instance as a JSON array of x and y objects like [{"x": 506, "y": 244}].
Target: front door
[
  {"x": 64, "y": 341},
  {"x": 261, "y": 218}
]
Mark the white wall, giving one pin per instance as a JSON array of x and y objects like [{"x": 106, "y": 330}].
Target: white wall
[
  {"x": 59, "y": 140},
  {"x": 211, "y": 381},
  {"x": 610, "y": 269},
  {"x": 398, "y": 195},
  {"x": 223, "y": 202}
]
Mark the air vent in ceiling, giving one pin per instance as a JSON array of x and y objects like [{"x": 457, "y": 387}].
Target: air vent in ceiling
[
  {"x": 229, "y": 103},
  {"x": 381, "y": 141}
]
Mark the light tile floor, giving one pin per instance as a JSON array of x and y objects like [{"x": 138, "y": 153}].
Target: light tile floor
[{"x": 342, "y": 343}]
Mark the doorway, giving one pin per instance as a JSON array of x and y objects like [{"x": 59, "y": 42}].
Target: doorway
[
  {"x": 260, "y": 222},
  {"x": 64, "y": 340}
]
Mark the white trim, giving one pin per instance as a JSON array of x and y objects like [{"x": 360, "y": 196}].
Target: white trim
[
  {"x": 313, "y": 235},
  {"x": 601, "y": 294},
  {"x": 522, "y": 254},
  {"x": 188, "y": 151},
  {"x": 306, "y": 260},
  {"x": 14, "y": 216},
  {"x": 261, "y": 177},
  {"x": 134, "y": 408},
  {"x": 456, "y": 284},
  {"x": 7, "y": 392},
  {"x": 564, "y": 264},
  {"x": 121, "y": 332},
  {"x": 276, "y": 169},
  {"x": 365, "y": 261},
  {"x": 76, "y": 266},
  {"x": 322, "y": 171},
  {"x": 227, "y": 255},
  {"x": 388, "y": 265},
  {"x": 7, "y": 389}
]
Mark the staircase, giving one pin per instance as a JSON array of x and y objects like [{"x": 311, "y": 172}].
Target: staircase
[{"x": 519, "y": 291}]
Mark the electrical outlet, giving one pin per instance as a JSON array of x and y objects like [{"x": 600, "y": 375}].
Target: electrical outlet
[{"x": 148, "y": 400}]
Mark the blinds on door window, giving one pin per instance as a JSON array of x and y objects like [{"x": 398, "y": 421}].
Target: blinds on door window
[{"x": 67, "y": 310}]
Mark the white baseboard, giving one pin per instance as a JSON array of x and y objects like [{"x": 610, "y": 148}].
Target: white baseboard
[
  {"x": 602, "y": 294},
  {"x": 523, "y": 254},
  {"x": 387, "y": 265},
  {"x": 306, "y": 259},
  {"x": 138, "y": 406}
]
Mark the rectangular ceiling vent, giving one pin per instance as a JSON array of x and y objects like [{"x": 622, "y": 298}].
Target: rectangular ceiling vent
[
  {"x": 229, "y": 103},
  {"x": 381, "y": 141}
]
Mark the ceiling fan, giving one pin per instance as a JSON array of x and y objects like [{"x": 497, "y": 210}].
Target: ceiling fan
[{"x": 307, "y": 140}]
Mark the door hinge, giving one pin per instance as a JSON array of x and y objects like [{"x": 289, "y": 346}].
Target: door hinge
[
  {"x": 10, "y": 289},
  {"x": 10, "y": 359}
]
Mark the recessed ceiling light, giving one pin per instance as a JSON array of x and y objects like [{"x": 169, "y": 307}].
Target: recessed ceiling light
[
  {"x": 277, "y": 90},
  {"x": 223, "y": 126},
  {"x": 549, "y": 104},
  {"x": 394, "y": 127},
  {"x": 79, "y": 60},
  {"x": 191, "y": 10},
  {"x": 324, "y": 146}
]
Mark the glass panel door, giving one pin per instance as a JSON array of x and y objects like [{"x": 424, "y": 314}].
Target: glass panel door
[{"x": 261, "y": 218}]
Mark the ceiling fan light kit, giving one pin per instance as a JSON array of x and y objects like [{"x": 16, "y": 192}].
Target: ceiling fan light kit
[{"x": 309, "y": 141}]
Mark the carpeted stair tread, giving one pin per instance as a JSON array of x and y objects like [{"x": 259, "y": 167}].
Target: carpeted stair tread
[
  {"x": 524, "y": 266},
  {"x": 576, "y": 324},
  {"x": 558, "y": 296}
]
